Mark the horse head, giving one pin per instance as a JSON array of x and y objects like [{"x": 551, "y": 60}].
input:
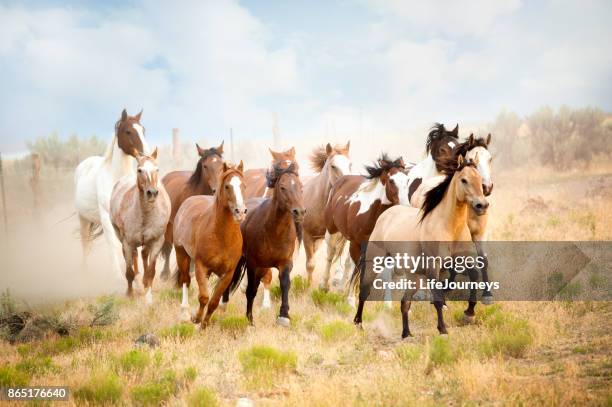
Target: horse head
[
  {"x": 147, "y": 175},
  {"x": 469, "y": 187},
  {"x": 393, "y": 177},
  {"x": 130, "y": 134},
  {"x": 441, "y": 142},
  {"x": 283, "y": 159},
  {"x": 288, "y": 191},
  {"x": 231, "y": 190},
  {"x": 478, "y": 151},
  {"x": 338, "y": 162},
  {"x": 210, "y": 166}
]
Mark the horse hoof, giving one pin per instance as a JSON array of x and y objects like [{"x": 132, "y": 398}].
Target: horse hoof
[
  {"x": 323, "y": 287},
  {"x": 266, "y": 305},
  {"x": 487, "y": 300},
  {"x": 408, "y": 338},
  {"x": 445, "y": 307},
  {"x": 184, "y": 316},
  {"x": 351, "y": 301},
  {"x": 444, "y": 335},
  {"x": 283, "y": 321},
  {"x": 468, "y": 319},
  {"x": 148, "y": 299},
  {"x": 223, "y": 306}
]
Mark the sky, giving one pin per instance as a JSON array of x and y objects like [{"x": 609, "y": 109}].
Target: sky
[{"x": 339, "y": 67}]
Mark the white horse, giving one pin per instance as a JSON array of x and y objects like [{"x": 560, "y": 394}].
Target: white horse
[{"x": 95, "y": 178}]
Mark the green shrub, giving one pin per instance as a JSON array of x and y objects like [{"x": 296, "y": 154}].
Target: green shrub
[
  {"x": 299, "y": 285},
  {"x": 408, "y": 354},
  {"x": 190, "y": 374},
  {"x": 328, "y": 299},
  {"x": 234, "y": 324},
  {"x": 512, "y": 338},
  {"x": 156, "y": 392},
  {"x": 336, "y": 330},
  {"x": 275, "y": 292},
  {"x": 441, "y": 351},
  {"x": 36, "y": 365},
  {"x": 103, "y": 389},
  {"x": 180, "y": 331},
  {"x": 12, "y": 377},
  {"x": 134, "y": 361},
  {"x": 203, "y": 397},
  {"x": 260, "y": 358}
]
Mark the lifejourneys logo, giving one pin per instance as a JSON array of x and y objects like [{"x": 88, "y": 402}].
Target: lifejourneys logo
[{"x": 412, "y": 264}]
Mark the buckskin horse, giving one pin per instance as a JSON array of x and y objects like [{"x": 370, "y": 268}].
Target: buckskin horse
[
  {"x": 270, "y": 231},
  {"x": 180, "y": 185},
  {"x": 140, "y": 209},
  {"x": 330, "y": 163},
  {"x": 207, "y": 232},
  {"x": 355, "y": 203},
  {"x": 442, "y": 220},
  {"x": 95, "y": 178}
]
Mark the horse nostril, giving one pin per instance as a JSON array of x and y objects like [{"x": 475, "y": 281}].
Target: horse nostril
[
  {"x": 245, "y": 211},
  {"x": 479, "y": 206}
]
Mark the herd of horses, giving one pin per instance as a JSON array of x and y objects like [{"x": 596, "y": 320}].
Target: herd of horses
[{"x": 222, "y": 220}]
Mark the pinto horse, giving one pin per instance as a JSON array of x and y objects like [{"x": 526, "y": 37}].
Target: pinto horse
[
  {"x": 207, "y": 232},
  {"x": 443, "y": 219},
  {"x": 95, "y": 178},
  {"x": 355, "y": 203},
  {"x": 257, "y": 184},
  {"x": 330, "y": 163},
  {"x": 140, "y": 209},
  {"x": 180, "y": 185},
  {"x": 270, "y": 231}
]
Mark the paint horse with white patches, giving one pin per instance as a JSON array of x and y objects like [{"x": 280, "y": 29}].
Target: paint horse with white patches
[
  {"x": 330, "y": 163},
  {"x": 269, "y": 233},
  {"x": 95, "y": 178},
  {"x": 439, "y": 229},
  {"x": 140, "y": 209},
  {"x": 355, "y": 203},
  {"x": 207, "y": 232},
  {"x": 204, "y": 180}
]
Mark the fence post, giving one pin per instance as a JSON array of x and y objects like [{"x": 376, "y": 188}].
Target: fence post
[{"x": 3, "y": 197}]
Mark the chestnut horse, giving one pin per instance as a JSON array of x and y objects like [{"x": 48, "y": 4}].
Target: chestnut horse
[
  {"x": 207, "y": 231},
  {"x": 95, "y": 178},
  {"x": 330, "y": 163},
  {"x": 355, "y": 203},
  {"x": 180, "y": 185},
  {"x": 256, "y": 180},
  {"x": 270, "y": 231},
  {"x": 443, "y": 220},
  {"x": 140, "y": 209}
]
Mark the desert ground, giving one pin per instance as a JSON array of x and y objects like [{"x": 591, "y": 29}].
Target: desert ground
[{"x": 517, "y": 353}]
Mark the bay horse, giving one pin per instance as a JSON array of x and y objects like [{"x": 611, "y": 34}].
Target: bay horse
[
  {"x": 269, "y": 233},
  {"x": 95, "y": 178},
  {"x": 260, "y": 185},
  {"x": 330, "y": 163},
  {"x": 355, "y": 203},
  {"x": 476, "y": 150},
  {"x": 257, "y": 184},
  {"x": 203, "y": 180},
  {"x": 140, "y": 209},
  {"x": 442, "y": 219},
  {"x": 207, "y": 232}
]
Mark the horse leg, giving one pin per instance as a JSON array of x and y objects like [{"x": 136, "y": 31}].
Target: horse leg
[
  {"x": 128, "y": 254},
  {"x": 469, "y": 314},
  {"x": 285, "y": 284},
  {"x": 166, "y": 252},
  {"x": 365, "y": 284},
  {"x": 222, "y": 285},
  {"x": 405, "y": 308},
  {"x": 267, "y": 281},
  {"x": 334, "y": 242},
  {"x": 183, "y": 280},
  {"x": 253, "y": 280},
  {"x": 85, "y": 232},
  {"x": 150, "y": 254},
  {"x": 309, "y": 248},
  {"x": 111, "y": 238},
  {"x": 487, "y": 296},
  {"x": 201, "y": 274}
]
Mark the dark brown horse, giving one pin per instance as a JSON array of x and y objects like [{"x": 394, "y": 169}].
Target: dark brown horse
[
  {"x": 270, "y": 231},
  {"x": 256, "y": 180},
  {"x": 180, "y": 185},
  {"x": 355, "y": 203},
  {"x": 207, "y": 232}
]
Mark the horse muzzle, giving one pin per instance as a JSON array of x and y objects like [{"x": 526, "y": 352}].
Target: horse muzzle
[
  {"x": 152, "y": 194},
  {"x": 298, "y": 214},
  {"x": 239, "y": 214},
  {"x": 487, "y": 189},
  {"x": 480, "y": 206}
]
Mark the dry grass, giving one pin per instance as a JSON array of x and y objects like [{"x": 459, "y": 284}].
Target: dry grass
[{"x": 525, "y": 353}]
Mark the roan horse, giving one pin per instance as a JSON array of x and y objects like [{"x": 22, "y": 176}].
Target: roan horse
[
  {"x": 443, "y": 219},
  {"x": 330, "y": 163},
  {"x": 207, "y": 231},
  {"x": 270, "y": 231},
  {"x": 180, "y": 185},
  {"x": 140, "y": 209},
  {"x": 355, "y": 203},
  {"x": 95, "y": 178}
]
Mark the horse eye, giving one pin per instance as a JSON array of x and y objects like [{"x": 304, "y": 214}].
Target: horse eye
[
  {"x": 283, "y": 189},
  {"x": 463, "y": 180},
  {"x": 227, "y": 187},
  {"x": 392, "y": 181},
  {"x": 140, "y": 170},
  {"x": 206, "y": 167}
]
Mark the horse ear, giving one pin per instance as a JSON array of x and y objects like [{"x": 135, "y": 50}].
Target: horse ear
[
  {"x": 225, "y": 167},
  {"x": 328, "y": 149},
  {"x": 401, "y": 162},
  {"x": 136, "y": 154},
  {"x": 455, "y": 131},
  {"x": 488, "y": 139},
  {"x": 459, "y": 161},
  {"x": 291, "y": 152},
  {"x": 471, "y": 139},
  {"x": 138, "y": 116},
  {"x": 240, "y": 166},
  {"x": 348, "y": 146},
  {"x": 475, "y": 160},
  {"x": 200, "y": 150},
  {"x": 154, "y": 154},
  {"x": 274, "y": 153},
  {"x": 124, "y": 115},
  {"x": 220, "y": 148}
]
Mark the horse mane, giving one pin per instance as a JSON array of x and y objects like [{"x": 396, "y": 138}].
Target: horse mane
[
  {"x": 196, "y": 177},
  {"x": 108, "y": 153},
  {"x": 437, "y": 132},
  {"x": 383, "y": 164},
  {"x": 461, "y": 149},
  {"x": 318, "y": 157},
  {"x": 435, "y": 195},
  {"x": 273, "y": 175}
]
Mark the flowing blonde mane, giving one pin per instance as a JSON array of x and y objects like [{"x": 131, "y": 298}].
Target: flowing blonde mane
[{"x": 318, "y": 157}]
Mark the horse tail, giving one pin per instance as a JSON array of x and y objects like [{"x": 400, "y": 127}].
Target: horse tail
[
  {"x": 238, "y": 274},
  {"x": 299, "y": 233},
  {"x": 357, "y": 275}
]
